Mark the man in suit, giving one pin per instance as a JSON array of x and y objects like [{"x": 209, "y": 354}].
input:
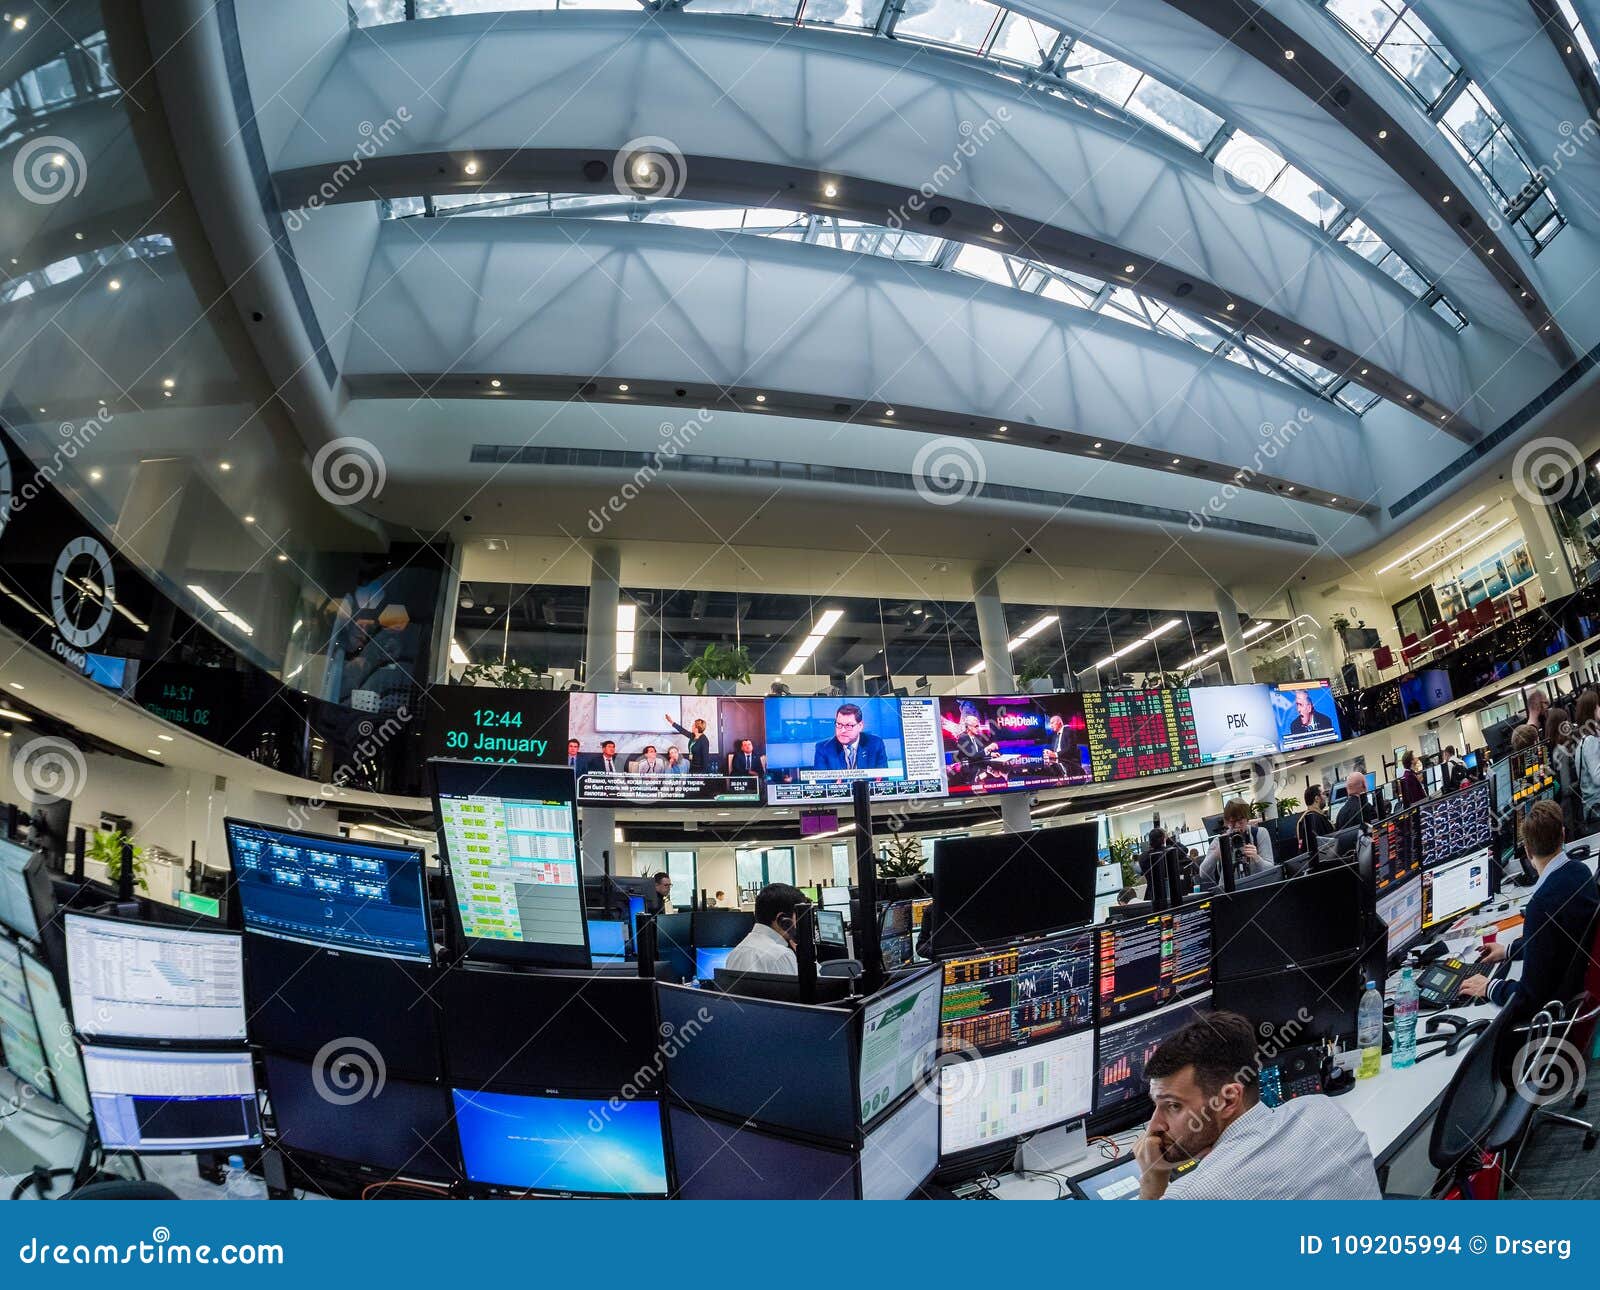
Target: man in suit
[
  {"x": 607, "y": 760},
  {"x": 699, "y": 744},
  {"x": 1557, "y": 923},
  {"x": 1063, "y": 742},
  {"x": 649, "y": 763},
  {"x": 575, "y": 756},
  {"x": 1356, "y": 808},
  {"x": 972, "y": 751},
  {"x": 852, "y": 746},
  {"x": 1052, "y": 768},
  {"x": 1307, "y": 719},
  {"x": 744, "y": 762}
]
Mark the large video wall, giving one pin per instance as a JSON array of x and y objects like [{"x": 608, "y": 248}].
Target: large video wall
[{"x": 642, "y": 749}]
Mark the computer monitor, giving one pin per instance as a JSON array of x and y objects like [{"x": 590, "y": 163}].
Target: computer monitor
[
  {"x": 894, "y": 918},
  {"x": 1500, "y": 783},
  {"x": 718, "y": 1159},
  {"x": 563, "y": 1146},
  {"x": 985, "y": 1103},
  {"x": 1019, "y": 996},
  {"x": 399, "y": 1129},
  {"x": 897, "y": 952},
  {"x": 157, "y": 1099},
  {"x": 1189, "y": 970},
  {"x": 836, "y": 898},
  {"x": 1400, "y": 908},
  {"x": 1308, "y": 919},
  {"x": 708, "y": 958},
  {"x": 25, "y": 896},
  {"x": 830, "y": 926},
  {"x": 363, "y": 897},
  {"x": 1396, "y": 849},
  {"x": 1126, "y": 1046},
  {"x": 900, "y": 1151},
  {"x": 1004, "y": 887},
  {"x": 608, "y": 941},
  {"x": 509, "y": 837},
  {"x": 55, "y": 1036},
  {"x": 1452, "y": 826},
  {"x": 154, "y": 982},
  {"x": 1456, "y": 888},
  {"x": 899, "y": 1037},
  {"x": 21, "y": 1045},
  {"x": 720, "y": 927},
  {"x": 1147, "y": 962},
  {"x": 790, "y": 1067},
  {"x": 1299, "y": 1003},
  {"x": 300, "y": 999},
  {"x": 579, "y": 1032}
]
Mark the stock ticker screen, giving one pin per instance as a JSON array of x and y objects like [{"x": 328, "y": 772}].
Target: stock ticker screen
[
  {"x": 1018, "y": 996},
  {"x": 1148, "y": 962},
  {"x": 1139, "y": 732}
]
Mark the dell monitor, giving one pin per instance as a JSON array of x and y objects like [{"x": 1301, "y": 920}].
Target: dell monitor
[
  {"x": 608, "y": 941},
  {"x": 561, "y": 1146},
  {"x": 338, "y": 893},
  {"x": 899, "y": 1036},
  {"x": 509, "y": 838},
  {"x": 1127, "y": 1046},
  {"x": 1005, "y": 887},
  {"x": 150, "y": 981},
  {"x": 708, "y": 958},
  {"x": 25, "y": 895},
  {"x": 159, "y": 1100},
  {"x": 1400, "y": 908},
  {"x": 1018, "y": 996},
  {"x": 987, "y": 1103},
  {"x": 900, "y": 1151},
  {"x": 1456, "y": 888},
  {"x": 723, "y": 1159}
]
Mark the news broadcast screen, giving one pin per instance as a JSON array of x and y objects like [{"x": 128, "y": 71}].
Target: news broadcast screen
[
  {"x": 1306, "y": 714},
  {"x": 818, "y": 747},
  {"x": 1233, "y": 721},
  {"x": 1424, "y": 691},
  {"x": 1006, "y": 743},
  {"x": 665, "y": 748}
]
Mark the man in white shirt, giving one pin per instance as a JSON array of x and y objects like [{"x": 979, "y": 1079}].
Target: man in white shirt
[
  {"x": 1208, "y": 1109},
  {"x": 769, "y": 947}
]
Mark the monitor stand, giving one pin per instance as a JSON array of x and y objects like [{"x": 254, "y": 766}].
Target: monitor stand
[{"x": 1057, "y": 1150}]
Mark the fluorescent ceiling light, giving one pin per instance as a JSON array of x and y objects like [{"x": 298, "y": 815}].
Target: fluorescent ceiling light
[
  {"x": 458, "y": 656},
  {"x": 976, "y": 668},
  {"x": 14, "y": 715},
  {"x": 1028, "y": 634},
  {"x": 206, "y": 598},
  {"x": 1442, "y": 533},
  {"x": 1162, "y": 630},
  {"x": 1461, "y": 550},
  {"x": 228, "y": 616},
  {"x": 825, "y": 623}
]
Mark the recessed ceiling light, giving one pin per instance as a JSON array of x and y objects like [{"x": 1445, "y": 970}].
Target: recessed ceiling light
[
  {"x": 96, "y": 475},
  {"x": 1410, "y": 398},
  {"x": 1289, "y": 54},
  {"x": 1547, "y": 326},
  {"x": 166, "y": 394},
  {"x": 830, "y": 190},
  {"x": 1441, "y": 416},
  {"x": 168, "y": 383},
  {"x": 1333, "y": 499},
  {"x": 224, "y": 465},
  {"x": 999, "y": 227},
  {"x": 282, "y": 558},
  {"x": 623, "y": 387},
  {"x": 1445, "y": 198},
  {"x": 888, "y": 412},
  {"x": 1003, "y": 429},
  {"x": 114, "y": 285},
  {"x": 249, "y": 519},
  {"x": 153, "y": 752},
  {"x": 1491, "y": 250},
  {"x": 1383, "y": 134},
  {"x": 1176, "y": 460},
  {"x": 1098, "y": 444},
  {"x": 165, "y": 738},
  {"x": 1230, "y": 306},
  {"x": 79, "y": 236},
  {"x": 1363, "y": 371},
  {"x": 19, "y": 22},
  {"x": 761, "y": 398},
  {"x": 16, "y": 685},
  {"x": 1127, "y": 268},
  {"x": 1290, "y": 489},
  {"x": 1306, "y": 341},
  {"x": 471, "y": 167},
  {"x": 494, "y": 383}
]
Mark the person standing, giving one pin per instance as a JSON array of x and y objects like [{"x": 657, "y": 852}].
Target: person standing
[
  {"x": 1411, "y": 789},
  {"x": 699, "y": 744}
]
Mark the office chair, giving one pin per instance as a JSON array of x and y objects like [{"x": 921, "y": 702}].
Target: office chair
[
  {"x": 122, "y": 1189},
  {"x": 840, "y": 967},
  {"x": 1468, "y": 1123}
]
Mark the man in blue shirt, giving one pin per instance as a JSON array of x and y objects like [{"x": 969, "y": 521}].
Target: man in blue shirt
[{"x": 1557, "y": 924}]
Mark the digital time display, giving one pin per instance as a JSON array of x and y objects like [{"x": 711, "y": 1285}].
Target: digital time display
[{"x": 477, "y": 723}]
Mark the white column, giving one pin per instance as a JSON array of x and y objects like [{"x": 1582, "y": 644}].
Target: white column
[
  {"x": 1238, "y": 658},
  {"x": 600, "y": 674},
  {"x": 1545, "y": 547},
  {"x": 1015, "y": 812}
]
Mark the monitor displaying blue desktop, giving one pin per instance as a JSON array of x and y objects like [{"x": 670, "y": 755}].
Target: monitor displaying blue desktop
[
  {"x": 338, "y": 893},
  {"x": 707, "y": 959},
  {"x": 562, "y": 1144},
  {"x": 608, "y": 940},
  {"x": 106, "y": 670}
]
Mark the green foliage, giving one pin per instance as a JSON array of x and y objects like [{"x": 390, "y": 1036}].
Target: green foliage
[
  {"x": 1035, "y": 670},
  {"x": 509, "y": 675},
  {"x": 105, "y": 846},
  {"x": 1288, "y": 805},
  {"x": 718, "y": 664},
  {"x": 1122, "y": 853},
  {"x": 900, "y": 857}
]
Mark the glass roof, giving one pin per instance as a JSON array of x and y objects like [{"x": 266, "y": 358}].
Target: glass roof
[
  {"x": 1043, "y": 58},
  {"x": 1401, "y": 43},
  {"x": 1066, "y": 287},
  {"x": 1580, "y": 34}
]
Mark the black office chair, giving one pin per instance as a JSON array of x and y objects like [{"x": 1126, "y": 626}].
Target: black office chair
[
  {"x": 1469, "y": 1119},
  {"x": 122, "y": 1189}
]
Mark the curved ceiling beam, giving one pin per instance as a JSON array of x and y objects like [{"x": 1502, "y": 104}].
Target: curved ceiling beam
[
  {"x": 777, "y": 117},
  {"x": 607, "y": 311},
  {"x": 1330, "y": 66},
  {"x": 1310, "y": 132},
  {"x": 1568, "y": 49},
  {"x": 1505, "y": 49}
]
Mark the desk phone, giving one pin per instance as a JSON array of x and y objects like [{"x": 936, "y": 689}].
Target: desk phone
[
  {"x": 1297, "y": 1072},
  {"x": 1439, "y": 984}
]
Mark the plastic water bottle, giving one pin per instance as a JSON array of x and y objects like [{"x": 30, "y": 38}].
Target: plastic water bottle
[
  {"x": 238, "y": 1183},
  {"x": 1405, "y": 1021},
  {"x": 1369, "y": 1032}
]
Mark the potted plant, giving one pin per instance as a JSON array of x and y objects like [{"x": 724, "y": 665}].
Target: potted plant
[
  {"x": 1287, "y": 806},
  {"x": 901, "y": 857},
  {"x": 106, "y": 848},
  {"x": 1258, "y": 810},
  {"x": 719, "y": 670},
  {"x": 506, "y": 675},
  {"x": 1033, "y": 678},
  {"x": 1122, "y": 854}
]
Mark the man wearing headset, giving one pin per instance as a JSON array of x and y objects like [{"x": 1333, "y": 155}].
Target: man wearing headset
[{"x": 770, "y": 945}]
